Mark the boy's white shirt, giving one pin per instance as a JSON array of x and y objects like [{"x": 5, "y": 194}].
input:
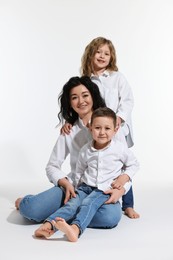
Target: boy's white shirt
[
  {"x": 118, "y": 96},
  {"x": 65, "y": 145},
  {"x": 98, "y": 168}
]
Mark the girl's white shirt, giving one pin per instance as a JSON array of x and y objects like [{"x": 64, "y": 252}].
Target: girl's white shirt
[{"x": 118, "y": 96}]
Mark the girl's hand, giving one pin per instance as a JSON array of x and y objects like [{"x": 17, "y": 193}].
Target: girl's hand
[
  {"x": 115, "y": 195},
  {"x": 66, "y": 128}
]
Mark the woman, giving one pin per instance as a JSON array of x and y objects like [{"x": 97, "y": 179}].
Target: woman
[{"x": 79, "y": 97}]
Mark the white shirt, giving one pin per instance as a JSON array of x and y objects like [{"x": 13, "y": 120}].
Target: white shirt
[
  {"x": 118, "y": 96},
  {"x": 65, "y": 145},
  {"x": 98, "y": 168}
]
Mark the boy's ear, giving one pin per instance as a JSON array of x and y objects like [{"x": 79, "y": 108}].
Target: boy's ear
[{"x": 115, "y": 130}]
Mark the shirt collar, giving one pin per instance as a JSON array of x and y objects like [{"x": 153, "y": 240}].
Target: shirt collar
[
  {"x": 81, "y": 124},
  {"x": 96, "y": 150},
  {"x": 106, "y": 73}
]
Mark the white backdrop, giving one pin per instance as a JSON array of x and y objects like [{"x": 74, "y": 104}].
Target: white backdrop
[{"x": 41, "y": 44}]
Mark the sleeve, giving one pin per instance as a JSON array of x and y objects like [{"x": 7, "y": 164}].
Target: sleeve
[
  {"x": 130, "y": 162},
  {"x": 127, "y": 186},
  {"x": 126, "y": 100},
  {"x": 57, "y": 157}
]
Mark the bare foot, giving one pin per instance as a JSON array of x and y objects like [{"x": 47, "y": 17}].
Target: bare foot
[
  {"x": 17, "y": 202},
  {"x": 131, "y": 213},
  {"x": 44, "y": 230},
  {"x": 71, "y": 231}
]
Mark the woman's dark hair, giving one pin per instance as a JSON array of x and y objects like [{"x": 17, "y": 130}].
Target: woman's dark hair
[{"x": 66, "y": 111}]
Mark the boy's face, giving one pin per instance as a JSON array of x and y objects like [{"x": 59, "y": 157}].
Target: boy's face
[{"x": 102, "y": 130}]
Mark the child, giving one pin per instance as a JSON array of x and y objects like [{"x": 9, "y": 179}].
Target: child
[
  {"x": 99, "y": 63},
  {"x": 100, "y": 161}
]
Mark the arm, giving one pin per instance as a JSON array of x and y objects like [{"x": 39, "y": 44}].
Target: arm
[
  {"x": 58, "y": 156},
  {"x": 130, "y": 163},
  {"x": 126, "y": 100},
  {"x": 130, "y": 167}
]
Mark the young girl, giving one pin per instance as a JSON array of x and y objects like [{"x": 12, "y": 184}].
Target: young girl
[{"x": 99, "y": 63}]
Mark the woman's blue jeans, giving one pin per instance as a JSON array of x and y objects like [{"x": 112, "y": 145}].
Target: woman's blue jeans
[{"x": 39, "y": 207}]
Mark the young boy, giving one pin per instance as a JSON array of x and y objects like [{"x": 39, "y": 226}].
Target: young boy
[{"x": 104, "y": 163}]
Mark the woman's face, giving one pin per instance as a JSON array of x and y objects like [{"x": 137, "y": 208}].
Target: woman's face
[{"x": 81, "y": 100}]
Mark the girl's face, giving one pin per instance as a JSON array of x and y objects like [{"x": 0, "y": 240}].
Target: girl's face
[
  {"x": 81, "y": 101},
  {"x": 101, "y": 58}
]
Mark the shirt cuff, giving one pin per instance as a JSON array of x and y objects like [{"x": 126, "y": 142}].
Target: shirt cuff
[{"x": 127, "y": 186}]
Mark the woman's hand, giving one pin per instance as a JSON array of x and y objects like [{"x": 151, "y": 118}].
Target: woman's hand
[
  {"x": 66, "y": 128},
  {"x": 119, "y": 182},
  {"x": 115, "y": 195},
  {"x": 116, "y": 185},
  {"x": 69, "y": 189}
]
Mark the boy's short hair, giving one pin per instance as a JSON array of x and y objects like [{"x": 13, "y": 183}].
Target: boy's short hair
[{"x": 104, "y": 112}]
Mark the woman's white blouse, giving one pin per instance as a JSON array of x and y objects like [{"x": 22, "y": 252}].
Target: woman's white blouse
[{"x": 65, "y": 145}]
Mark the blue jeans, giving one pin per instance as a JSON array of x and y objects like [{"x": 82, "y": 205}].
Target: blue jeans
[
  {"x": 39, "y": 207},
  {"x": 81, "y": 210},
  {"x": 127, "y": 200}
]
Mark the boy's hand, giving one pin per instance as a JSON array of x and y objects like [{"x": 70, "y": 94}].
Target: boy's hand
[{"x": 66, "y": 128}]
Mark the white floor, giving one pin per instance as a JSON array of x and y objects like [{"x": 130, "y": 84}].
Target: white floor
[{"x": 149, "y": 237}]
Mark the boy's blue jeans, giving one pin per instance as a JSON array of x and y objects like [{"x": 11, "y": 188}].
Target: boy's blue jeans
[
  {"x": 81, "y": 209},
  {"x": 39, "y": 207}
]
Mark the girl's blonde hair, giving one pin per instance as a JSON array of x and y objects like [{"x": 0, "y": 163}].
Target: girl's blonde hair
[{"x": 90, "y": 51}]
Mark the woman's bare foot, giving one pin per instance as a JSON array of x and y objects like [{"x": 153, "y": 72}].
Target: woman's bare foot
[
  {"x": 44, "y": 230},
  {"x": 71, "y": 231},
  {"x": 131, "y": 213},
  {"x": 17, "y": 202}
]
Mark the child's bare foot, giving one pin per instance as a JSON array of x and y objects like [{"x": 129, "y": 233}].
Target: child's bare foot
[
  {"x": 131, "y": 213},
  {"x": 71, "y": 231},
  {"x": 17, "y": 202},
  {"x": 44, "y": 230}
]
